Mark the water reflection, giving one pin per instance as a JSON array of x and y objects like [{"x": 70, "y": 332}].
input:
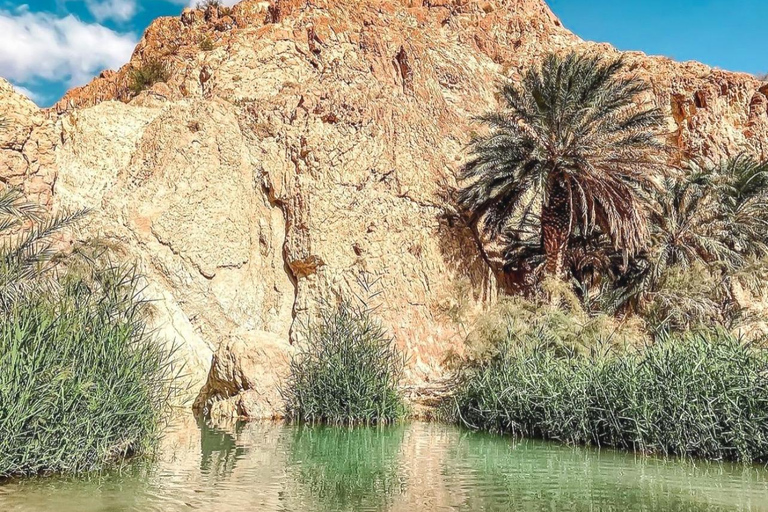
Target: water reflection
[
  {"x": 532, "y": 475},
  {"x": 219, "y": 448},
  {"x": 411, "y": 468},
  {"x": 348, "y": 469}
]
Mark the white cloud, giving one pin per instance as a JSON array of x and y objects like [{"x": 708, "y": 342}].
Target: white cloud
[
  {"x": 118, "y": 10},
  {"x": 42, "y": 46}
]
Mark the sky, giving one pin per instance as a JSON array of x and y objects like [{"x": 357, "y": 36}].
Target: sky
[
  {"x": 50, "y": 46},
  {"x": 728, "y": 34}
]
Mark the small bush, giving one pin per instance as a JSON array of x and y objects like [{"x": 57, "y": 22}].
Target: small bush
[
  {"x": 347, "y": 371},
  {"x": 206, "y": 44},
  {"x": 83, "y": 384},
  {"x": 217, "y": 4},
  {"x": 541, "y": 323},
  {"x": 689, "y": 298},
  {"x": 149, "y": 73},
  {"x": 702, "y": 394}
]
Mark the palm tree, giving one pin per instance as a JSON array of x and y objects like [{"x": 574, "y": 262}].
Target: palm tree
[
  {"x": 683, "y": 220},
  {"x": 715, "y": 215},
  {"x": 709, "y": 226},
  {"x": 574, "y": 148},
  {"x": 743, "y": 203},
  {"x": 603, "y": 277}
]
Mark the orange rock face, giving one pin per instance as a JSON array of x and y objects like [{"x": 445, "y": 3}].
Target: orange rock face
[
  {"x": 714, "y": 112},
  {"x": 299, "y": 147}
]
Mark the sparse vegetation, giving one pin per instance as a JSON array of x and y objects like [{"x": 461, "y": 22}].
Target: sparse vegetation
[
  {"x": 147, "y": 74},
  {"x": 215, "y": 4},
  {"x": 347, "y": 370},
  {"x": 206, "y": 44},
  {"x": 208, "y": 3}
]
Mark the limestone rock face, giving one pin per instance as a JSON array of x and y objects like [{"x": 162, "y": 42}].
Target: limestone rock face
[
  {"x": 300, "y": 148},
  {"x": 27, "y": 143}
]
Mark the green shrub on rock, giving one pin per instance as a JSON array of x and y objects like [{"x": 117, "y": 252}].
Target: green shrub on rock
[
  {"x": 206, "y": 44},
  {"x": 149, "y": 73}
]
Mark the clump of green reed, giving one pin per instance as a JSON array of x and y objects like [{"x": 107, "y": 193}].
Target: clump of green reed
[
  {"x": 83, "y": 383},
  {"x": 347, "y": 370},
  {"x": 701, "y": 394}
]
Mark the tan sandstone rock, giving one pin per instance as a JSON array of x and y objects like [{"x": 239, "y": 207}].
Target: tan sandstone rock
[
  {"x": 27, "y": 142},
  {"x": 245, "y": 377},
  {"x": 314, "y": 146}
]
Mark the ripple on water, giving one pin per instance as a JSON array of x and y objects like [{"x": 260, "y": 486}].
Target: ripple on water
[{"x": 411, "y": 468}]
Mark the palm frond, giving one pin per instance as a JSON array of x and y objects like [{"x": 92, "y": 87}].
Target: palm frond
[
  {"x": 26, "y": 251},
  {"x": 14, "y": 208}
]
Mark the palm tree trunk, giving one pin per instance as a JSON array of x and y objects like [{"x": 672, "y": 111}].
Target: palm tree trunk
[{"x": 556, "y": 228}]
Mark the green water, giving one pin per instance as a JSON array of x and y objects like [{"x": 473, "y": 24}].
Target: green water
[{"x": 416, "y": 467}]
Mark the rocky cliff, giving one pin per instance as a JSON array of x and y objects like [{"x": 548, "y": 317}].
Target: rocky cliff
[{"x": 301, "y": 148}]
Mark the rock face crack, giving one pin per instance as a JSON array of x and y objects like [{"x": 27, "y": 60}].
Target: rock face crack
[
  {"x": 292, "y": 278},
  {"x": 404, "y": 69}
]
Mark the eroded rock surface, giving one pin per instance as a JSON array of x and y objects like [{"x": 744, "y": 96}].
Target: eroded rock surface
[
  {"x": 245, "y": 377},
  {"x": 27, "y": 146},
  {"x": 299, "y": 147}
]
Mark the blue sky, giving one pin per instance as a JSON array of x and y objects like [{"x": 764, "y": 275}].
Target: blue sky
[
  {"x": 729, "y": 34},
  {"x": 49, "y": 46}
]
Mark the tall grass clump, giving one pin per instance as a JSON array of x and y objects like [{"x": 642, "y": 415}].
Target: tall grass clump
[
  {"x": 83, "y": 384},
  {"x": 347, "y": 370},
  {"x": 700, "y": 394}
]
